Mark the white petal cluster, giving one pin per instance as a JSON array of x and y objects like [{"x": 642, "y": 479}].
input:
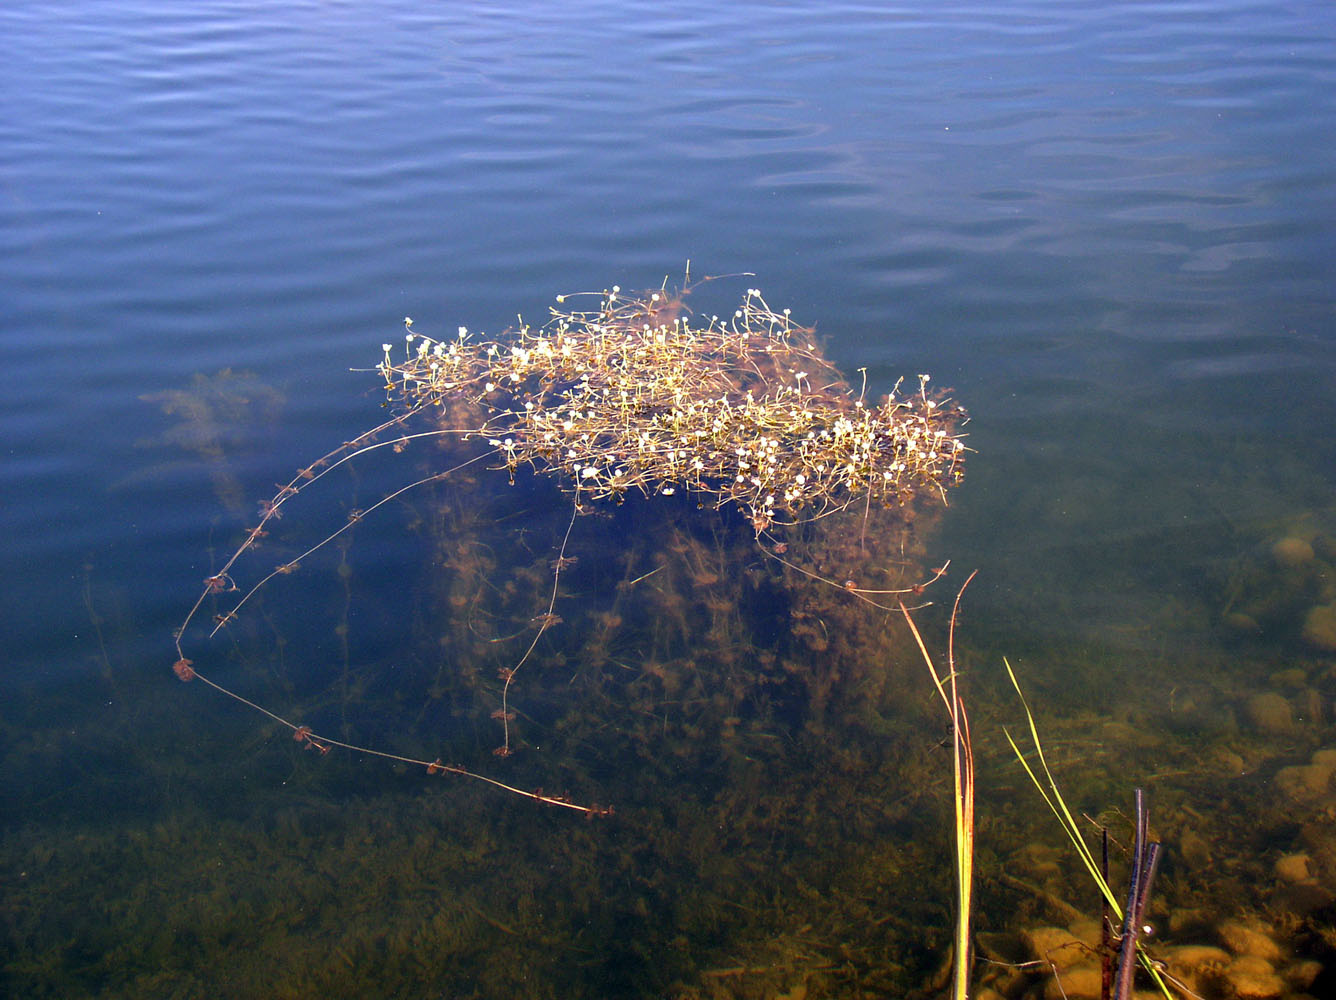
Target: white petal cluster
[{"x": 632, "y": 396}]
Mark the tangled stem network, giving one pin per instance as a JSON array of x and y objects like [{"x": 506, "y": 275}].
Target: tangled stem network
[{"x": 633, "y": 396}]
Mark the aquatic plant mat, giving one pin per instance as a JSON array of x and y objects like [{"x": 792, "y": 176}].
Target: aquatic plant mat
[
  {"x": 631, "y": 400},
  {"x": 707, "y": 609}
]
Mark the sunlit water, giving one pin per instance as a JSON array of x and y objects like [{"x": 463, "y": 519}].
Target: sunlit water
[{"x": 1108, "y": 228}]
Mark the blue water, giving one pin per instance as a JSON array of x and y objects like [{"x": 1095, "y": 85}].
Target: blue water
[{"x": 1108, "y": 228}]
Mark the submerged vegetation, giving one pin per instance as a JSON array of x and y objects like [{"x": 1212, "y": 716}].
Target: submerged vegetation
[
  {"x": 635, "y": 398},
  {"x": 697, "y": 598}
]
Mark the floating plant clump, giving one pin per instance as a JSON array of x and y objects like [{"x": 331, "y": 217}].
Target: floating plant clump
[{"x": 633, "y": 397}]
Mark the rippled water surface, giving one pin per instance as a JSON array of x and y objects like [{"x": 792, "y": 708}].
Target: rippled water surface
[{"x": 1108, "y": 228}]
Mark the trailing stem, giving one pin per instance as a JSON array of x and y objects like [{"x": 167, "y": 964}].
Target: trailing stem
[
  {"x": 631, "y": 395},
  {"x": 545, "y": 621},
  {"x": 222, "y": 582}
]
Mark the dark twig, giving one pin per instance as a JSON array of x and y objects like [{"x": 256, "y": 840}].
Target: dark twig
[
  {"x": 1145, "y": 860},
  {"x": 1105, "y": 924}
]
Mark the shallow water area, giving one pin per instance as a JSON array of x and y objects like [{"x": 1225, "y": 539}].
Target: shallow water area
[{"x": 1104, "y": 231}]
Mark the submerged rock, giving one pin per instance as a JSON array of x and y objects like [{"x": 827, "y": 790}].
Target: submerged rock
[
  {"x": 1269, "y": 713},
  {"x": 1249, "y": 940},
  {"x": 1085, "y": 982},
  {"x": 1070, "y": 953},
  {"x": 1243, "y": 624},
  {"x": 1290, "y": 679},
  {"x": 1253, "y": 978},
  {"x": 1302, "y": 975},
  {"x": 1295, "y": 868},
  {"x": 1199, "y": 966},
  {"x": 1054, "y": 944},
  {"x": 1305, "y": 784},
  {"x": 1284, "y": 590},
  {"x": 1197, "y": 958},
  {"x": 1292, "y": 552},
  {"x": 1319, "y": 627}
]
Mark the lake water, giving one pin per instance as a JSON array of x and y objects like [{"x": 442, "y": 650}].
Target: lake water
[{"x": 1108, "y": 228}]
